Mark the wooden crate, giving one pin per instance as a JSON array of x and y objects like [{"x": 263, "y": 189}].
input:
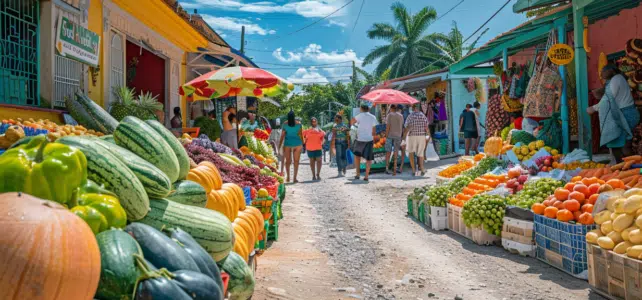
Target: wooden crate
[
  {"x": 518, "y": 231},
  {"x": 456, "y": 222},
  {"x": 481, "y": 237},
  {"x": 613, "y": 275}
]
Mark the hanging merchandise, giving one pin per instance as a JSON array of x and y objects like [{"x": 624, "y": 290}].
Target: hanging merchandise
[
  {"x": 496, "y": 117},
  {"x": 470, "y": 84},
  {"x": 480, "y": 91},
  {"x": 551, "y": 132},
  {"x": 513, "y": 87},
  {"x": 572, "y": 117},
  {"x": 541, "y": 99},
  {"x": 511, "y": 105},
  {"x": 443, "y": 114},
  {"x": 522, "y": 83},
  {"x": 492, "y": 83}
]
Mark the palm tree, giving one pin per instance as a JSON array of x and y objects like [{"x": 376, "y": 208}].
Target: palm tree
[
  {"x": 402, "y": 53},
  {"x": 371, "y": 78},
  {"x": 442, "y": 50}
]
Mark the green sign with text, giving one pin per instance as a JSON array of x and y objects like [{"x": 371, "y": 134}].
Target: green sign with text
[{"x": 76, "y": 42}]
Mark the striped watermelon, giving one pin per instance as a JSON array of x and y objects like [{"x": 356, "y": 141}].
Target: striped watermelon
[
  {"x": 103, "y": 121},
  {"x": 177, "y": 147},
  {"x": 212, "y": 230},
  {"x": 138, "y": 137},
  {"x": 103, "y": 167},
  {"x": 189, "y": 193},
  {"x": 156, "y": 183}
]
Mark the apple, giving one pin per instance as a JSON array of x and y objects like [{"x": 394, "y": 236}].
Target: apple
[
  {"x": 522, "y": 179},
  {"x": 520, "y": 187}
]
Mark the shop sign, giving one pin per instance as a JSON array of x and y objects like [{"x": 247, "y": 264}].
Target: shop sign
[
  {"x": 76, "y": 42},
  {"x": 561, "y": 54}
]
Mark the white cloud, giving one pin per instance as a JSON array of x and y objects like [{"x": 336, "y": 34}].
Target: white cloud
[
  {"x": 235, "y": 24},
  {"x": 291, "y": 56},
  {"x": 311, "y": 75},
  {"x": 307, "y": 8},
  {"x": 258, "y": 19},
  {"x": 337, "y": 23},
  {"x": 313, "y": 53}
]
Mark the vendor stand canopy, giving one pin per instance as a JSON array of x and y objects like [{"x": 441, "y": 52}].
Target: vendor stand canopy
[{"x": 388, "y": 96}]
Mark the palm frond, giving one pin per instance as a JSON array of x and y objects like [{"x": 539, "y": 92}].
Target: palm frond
[
  {"x": 376, "y": 53},
  {"x": 474, "y": 43},
  {"x": 402, "y": 17},
  {"x": 421, "y": 21},
  {"x": 382, "y": 31}
]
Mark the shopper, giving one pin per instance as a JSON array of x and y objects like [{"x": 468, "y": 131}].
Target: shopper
[
  {"x": 341, "y": 144},
  {"x": 313, "y": 140},
  {"x": 467, "y": 124},
  {"x": 617, "y": 112},
  {"x": 475, "y": 109},
  {"x": 274, "y": 140},
  {"x": 394, "y": 131},
  {"x": 229, "y": 137},
  {"x": 363, "y": 146},
  {"x": 291, "y": 141},
  {"x": 416, "y": 132}
]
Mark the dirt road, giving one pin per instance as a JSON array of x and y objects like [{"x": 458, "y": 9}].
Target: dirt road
[{"x": 345, "y": 239}]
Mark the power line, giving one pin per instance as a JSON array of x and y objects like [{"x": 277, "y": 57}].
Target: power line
[
  {"x": 315, "y": 65},
  {"x": 311, "y": 24},
  {"x": 451, "y": 9},
  {"x": 491, "y": 17},
  {"x": 296, "y": 68}
]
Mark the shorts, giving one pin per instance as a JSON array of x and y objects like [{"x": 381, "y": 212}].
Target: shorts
[
  {"x": 364, "y": 150},
  {"x": 470, "y": 134},
  {"x": 393, "y": 144},
  {"x": 314, "y": 153},
  {"x": 416, "y": 144}
]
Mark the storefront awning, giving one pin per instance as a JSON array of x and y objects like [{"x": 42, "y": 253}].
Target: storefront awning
[
  {"x": 216, "y": 57},
  {"x": 524, "y": 5},
  {"x": 413, "y": 83}
]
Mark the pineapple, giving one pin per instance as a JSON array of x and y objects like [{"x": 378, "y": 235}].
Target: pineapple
[
  {"x": 144, "y": 108},
  {"x": 124, "y": 103}
]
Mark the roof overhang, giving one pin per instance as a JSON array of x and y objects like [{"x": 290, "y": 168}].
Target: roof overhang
[
  {"x": 413, "y": 83},
  {"x": 216, "y": 57},
  {"x": 480, "y": 72},
  {"x": 525, "y": 5}
]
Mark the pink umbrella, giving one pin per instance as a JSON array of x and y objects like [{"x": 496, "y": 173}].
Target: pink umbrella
[{"x": 389, "y": 96}]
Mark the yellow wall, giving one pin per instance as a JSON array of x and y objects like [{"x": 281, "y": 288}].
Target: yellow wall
[
  {"x": 182, "y": 81},
  {"x": 96, "y": 25},
  {"x": 439, "y": 86},
  {"x": 14, "y": 112}
]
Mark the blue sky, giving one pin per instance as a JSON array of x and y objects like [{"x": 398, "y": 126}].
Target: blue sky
[{"x": 304, "y": 57}]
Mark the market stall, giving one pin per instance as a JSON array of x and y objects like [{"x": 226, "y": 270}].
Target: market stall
[{"x": 149, "y": 213}]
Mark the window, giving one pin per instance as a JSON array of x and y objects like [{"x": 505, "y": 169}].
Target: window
[{"x": 117, "y": 59}]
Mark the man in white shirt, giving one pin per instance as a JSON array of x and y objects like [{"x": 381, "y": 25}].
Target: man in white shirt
[{"x": 363, "y": 146}]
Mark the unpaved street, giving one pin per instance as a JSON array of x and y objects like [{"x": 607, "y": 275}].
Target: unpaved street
[{"x": 341, "y": 239}]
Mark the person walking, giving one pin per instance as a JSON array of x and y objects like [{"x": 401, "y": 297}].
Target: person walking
[
  {"x": 394, "y": 131},
  {"x": 363, "y": 146},
  {"x": 468, "y": 125},
  {"x": 475, "y": 142},
  {"x": 291, "y": 141},
  {"x": 617, "y": 112},
  {"x": 229, "y": 136},
  {"x": 415, "y": 133},
  {"x": 313, "y": 140},
  {"x": 341, "y": 144},
  {"x": 274, "y": 140}
]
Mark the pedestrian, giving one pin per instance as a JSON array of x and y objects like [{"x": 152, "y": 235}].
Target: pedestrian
[
  {"x": 326, "y": 145},
  {"x": 363, "y": 146},
  {"x": 475, "y": 109},
  {"x": 415, "y": 133},
  {"x": 394, "y": 131},
  {"x": 313, "y": 139},
  {"x": 467, "y": 124},
  {"x": 229, "y": 136},
  {"x": 617, "y": 112},
  {"x": 291, "y": 141},
  {"x": 274, "y": 139},
  {"x": 341, "y": 144}
]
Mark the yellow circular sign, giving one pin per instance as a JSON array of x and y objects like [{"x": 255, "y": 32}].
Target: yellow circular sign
[{"x": 561, "y": 54}]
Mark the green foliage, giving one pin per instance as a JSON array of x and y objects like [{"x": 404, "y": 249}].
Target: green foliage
[
  {"x": 314, "y": 99},
  {"x": 209, "y": 127}
]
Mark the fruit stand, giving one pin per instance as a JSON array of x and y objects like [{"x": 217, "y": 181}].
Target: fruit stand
[{"x": 140, "y": 211}]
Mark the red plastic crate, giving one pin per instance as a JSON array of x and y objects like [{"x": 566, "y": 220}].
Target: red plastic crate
[{"x": 226, "y": 278}]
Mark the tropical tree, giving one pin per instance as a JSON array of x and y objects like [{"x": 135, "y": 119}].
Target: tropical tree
[
  {"x": 405, "y": 41},
  {"x": 442, "y": 50}
]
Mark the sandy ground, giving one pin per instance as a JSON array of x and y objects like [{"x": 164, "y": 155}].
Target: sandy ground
[{"x": 345, "y": 239}]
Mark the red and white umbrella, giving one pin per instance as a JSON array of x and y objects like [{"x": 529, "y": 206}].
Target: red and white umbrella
[
  {"x": 389, "y": 96},
  {"x": 234, "y": 81}
]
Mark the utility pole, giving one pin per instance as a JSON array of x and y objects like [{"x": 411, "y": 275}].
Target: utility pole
[
  {"x": 243, "y": 39},
  {"x": 355, "y": 80}
]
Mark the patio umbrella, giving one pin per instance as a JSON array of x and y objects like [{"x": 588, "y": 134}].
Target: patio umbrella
[
  {"x": 389, "y": 96},
  {"x": 234, "y": 81}
]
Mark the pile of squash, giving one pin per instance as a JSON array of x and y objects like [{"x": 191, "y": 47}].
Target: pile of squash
[{"x": 229, "y": 199}]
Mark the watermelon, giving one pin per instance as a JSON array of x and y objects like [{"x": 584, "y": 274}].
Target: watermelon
[
  {"x": 105, "y": 168},
  {"x": 189, "y": 193},
  {"x": 108, "y": 138},
  {"x": 118, "y": 269},
  {"x": 140, "y": 138},
  {"x": 103, "y": 121},
  {"x": 241, "y": 284},
  {"x": 211, "y": 229},
  {"x": 156, "y": 183},
  {"x": 172, "y": 141}
]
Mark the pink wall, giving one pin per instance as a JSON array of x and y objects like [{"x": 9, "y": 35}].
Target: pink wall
[{"x": 610, "y": 36}]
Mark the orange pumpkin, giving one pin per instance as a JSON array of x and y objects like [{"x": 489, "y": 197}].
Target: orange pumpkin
[
  {"x": 198, "y": 175},
  {"x": 551, "y": 212},
  {"x": 538, "y": 208},
  {"x": 572, "y": 205},
  {"x": 47, "y": 252},
  {"x": 564, "y": 215},
  {"x": 586, "y": 218}
]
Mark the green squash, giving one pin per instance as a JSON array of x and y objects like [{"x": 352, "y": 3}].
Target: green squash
[{"x": 118, "y": 269}]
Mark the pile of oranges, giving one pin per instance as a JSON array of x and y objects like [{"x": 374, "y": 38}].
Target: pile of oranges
[
  {"x": 574, "y": 201},
  {"x": 482, "y": 184}
]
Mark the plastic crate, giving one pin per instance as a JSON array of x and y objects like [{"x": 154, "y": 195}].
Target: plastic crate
[
  {"x": 438, "y": 218},
  {"x": 247, "y": 193},
  {"x": 410, "y": 212},
  {"x": 261, "y": 244},
  {"x": 427, "y": 216},
  {"x": 421, "y": 216},
  {"x": 483, "y": 238},
  {"x": 281, "y": 192},
  {"x": 566, "y": 240},
  {"x": 226, "y": 280},
  {"x": 518, "y": 248}
]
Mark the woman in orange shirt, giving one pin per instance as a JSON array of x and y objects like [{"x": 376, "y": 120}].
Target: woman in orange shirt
[{"x": 313, "y": 140}]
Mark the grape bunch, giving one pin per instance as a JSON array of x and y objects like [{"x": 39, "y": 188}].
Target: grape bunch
[{"x": 206, "y": 143}]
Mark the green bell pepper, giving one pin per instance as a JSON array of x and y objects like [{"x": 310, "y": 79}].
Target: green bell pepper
[
  {"x": 45, "y": 170},
  {"x": 100, "y": 208}
]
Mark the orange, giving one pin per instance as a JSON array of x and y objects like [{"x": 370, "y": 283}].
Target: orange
[
  {"x": 558, "y": 204},
  {"x": 564, "y": 215},
  {"x": 551, "y": 212},
  {"x": 576, "y": 178},
  {"x": 593, "y": 188},
  {"x": 589, "y": 181},
  {"x": 616, "y": 183},
  {"x": 561, "y": 194},
  {"x": 548, "y": 203},
  {"x": 592, "y": 199},
  {"x": 577, "y": 196},
  {"x": 572, "y": 205},
  {"x": 586, "y": 218},
  {"x": 576, "y": 215},
  {"x": 582, "y": 189},
  {"x": 587, "y": 208},
  {"x": 569, "y": 186},
  {"x": 538, "y": 208}
]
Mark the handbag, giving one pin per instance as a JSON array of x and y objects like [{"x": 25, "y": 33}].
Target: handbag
[{"x": 540, "y": 100}]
